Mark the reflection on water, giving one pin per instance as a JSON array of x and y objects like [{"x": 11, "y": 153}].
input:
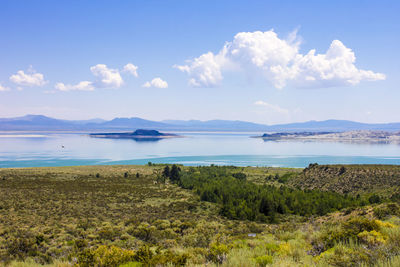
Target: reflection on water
[
  {"x": 195, "y": 149},
  {"x": 155, "y": 139}
]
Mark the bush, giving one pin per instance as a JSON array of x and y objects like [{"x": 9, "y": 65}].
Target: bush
[
  {"x": 107, "y": 233},
  {"x": 374, "y": 199},
  {"x": 23, "y": 245},
  {"x": 168, "y": 257},
  {"x": 144, "y": 254},
  {"x": 263, "y": 260},
  {"x": 344, "y": 232},
  {"x": 143, "y": 231},
  {"x": 372, "y": 238},
  {"x": 132, "y": 264},
  {"x": 217, "y": 252},
  {"x": 105, "y": 256},
  {"x": 240, "y": 176},
  {"x": 343, "y": 256},
  {"x": 356, "y": 225}
]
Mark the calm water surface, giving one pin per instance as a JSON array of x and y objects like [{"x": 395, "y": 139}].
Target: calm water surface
[{"x": 196, "y": 149}]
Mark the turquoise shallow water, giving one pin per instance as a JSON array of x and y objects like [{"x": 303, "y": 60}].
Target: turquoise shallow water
[{"x": 195, "y": 149}]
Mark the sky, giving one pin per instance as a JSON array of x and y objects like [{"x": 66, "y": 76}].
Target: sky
[{"x": 261, "y": 61}]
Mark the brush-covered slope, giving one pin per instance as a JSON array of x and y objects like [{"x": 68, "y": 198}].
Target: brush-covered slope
[{"x": 350, "y": 178}]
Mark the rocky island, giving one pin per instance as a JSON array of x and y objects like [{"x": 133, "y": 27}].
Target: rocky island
[{"x": 140, "y": 135}]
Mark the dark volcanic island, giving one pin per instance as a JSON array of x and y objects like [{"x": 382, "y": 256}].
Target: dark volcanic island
[{"x": 138, "y": 135}]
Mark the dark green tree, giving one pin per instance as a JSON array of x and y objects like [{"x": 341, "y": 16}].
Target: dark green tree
[
  {"x": 166, "y": 172},
  {"x": 175, "y": 174}
]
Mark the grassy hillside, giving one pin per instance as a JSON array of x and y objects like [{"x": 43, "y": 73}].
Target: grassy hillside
[
  {"x": 353, "y": 179},
  {"x": 145, "y": 216}
]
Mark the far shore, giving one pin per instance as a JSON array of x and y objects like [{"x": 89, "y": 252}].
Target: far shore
[{"x": 350, "y": 136}]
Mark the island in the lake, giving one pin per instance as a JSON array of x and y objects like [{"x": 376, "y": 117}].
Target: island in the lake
[
  {"x": 350, "y": 136},
  {"x": 139, "y": 135}
]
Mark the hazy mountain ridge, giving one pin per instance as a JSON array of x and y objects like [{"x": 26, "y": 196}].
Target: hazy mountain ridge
[{"x": 44, "y": 123}]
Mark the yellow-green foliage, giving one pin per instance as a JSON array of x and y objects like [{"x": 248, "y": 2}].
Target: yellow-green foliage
[
  {"x": 105, "y": 256},
  {"x": 285, "y": 249},
  {"x": 131, "y": 264},
  {"x": 218, "y": 252},
  {"x": 31, "y": 263},
  {"x": 388, "y": 262},
  {"x": 386, "y": 210},
  {"x": 343, "y": 255},
  {"x": 372, "y": 238},
  {"x": 382, "y": 224},
  {"x": 263, "y": 260},
  {"x": 62, "y": 217},
  {"x": 344, "y": 231}
]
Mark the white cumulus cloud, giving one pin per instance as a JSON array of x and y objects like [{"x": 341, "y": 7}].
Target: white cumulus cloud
[
  {"x": 280, "y": 62},
  {"x": 271, "y": 107},
  {"x": 106, "y": 77},
  {"x": 28, "y": 79},
  {"x": 156, "y": 83},
  {"x": 205, "y": 71},
  {"x": 132, "y": 69},
  {"x": 81, "y": 86}
]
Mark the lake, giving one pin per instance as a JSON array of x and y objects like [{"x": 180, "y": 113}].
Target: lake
[{"x": 37, "y": 150}]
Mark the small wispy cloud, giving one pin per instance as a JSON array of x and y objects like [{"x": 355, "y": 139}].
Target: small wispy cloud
[
  {"x": 3, "y": 88},
  {"x": 271, "y": 107},
  {"x": 81, "y": 86}
]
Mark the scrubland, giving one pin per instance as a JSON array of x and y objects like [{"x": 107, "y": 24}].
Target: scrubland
[{"x": 200, "y": 216}]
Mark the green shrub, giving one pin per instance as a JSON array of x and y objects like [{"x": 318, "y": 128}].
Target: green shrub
[
  {"x": 263, "y": 260},
  {"x": 343, "y": 255},
  {"x": 131, "y": 264},
  {"x": 217, "y": 252},
  {"x": 23, "y": 245},
  {"x": 168, "y": 257},
  {"x": 143, "y": 231},
  {"x": 107, "y": 233},
  {"x": 240, "y": 176},
  {"x": 144, "y": 254},
  {"x": 105, "y": 256},
  {"x": 343, "y": 232}
]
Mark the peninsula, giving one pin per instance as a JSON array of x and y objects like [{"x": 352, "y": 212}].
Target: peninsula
[{"x": 349, "y": 136}]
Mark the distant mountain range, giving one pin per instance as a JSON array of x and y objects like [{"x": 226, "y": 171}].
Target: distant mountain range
[{"x": 43, "y": 123}]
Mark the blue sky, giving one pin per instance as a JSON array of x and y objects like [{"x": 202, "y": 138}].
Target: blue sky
[{"x": 259, "y": 68}]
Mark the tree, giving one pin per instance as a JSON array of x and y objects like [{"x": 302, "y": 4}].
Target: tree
[
  {"x": 166, "y": 172},
  {"x": 374, "y": 199},
  {"x": 174, "y": 174},
  {"x": 240, "y": 176},
  {"x": 342, "y": 170}
]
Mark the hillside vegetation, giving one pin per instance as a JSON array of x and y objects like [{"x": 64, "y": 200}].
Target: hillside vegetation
[
  {"x": 159, "y": 215},
  {"x": 350, "y": 179}
]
